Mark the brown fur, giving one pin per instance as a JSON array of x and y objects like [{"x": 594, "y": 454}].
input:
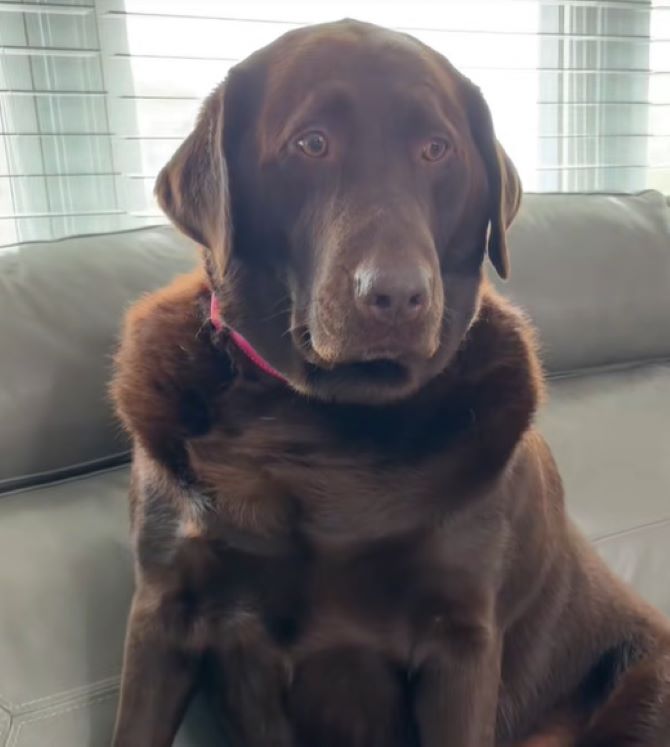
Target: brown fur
[{"x": 354, "y": 573}]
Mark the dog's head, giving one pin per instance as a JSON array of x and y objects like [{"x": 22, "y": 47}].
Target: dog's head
[{"x": 346, "y": 184}]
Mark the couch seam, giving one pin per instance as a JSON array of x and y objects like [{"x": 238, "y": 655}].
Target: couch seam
[
  {"x": 69, "y": 695},
  {"x": 5, "y": 724},
  {"x": 606, "y": 368},
  {"x": 72, "y": 236},
  {"x": 63, "y": 481},
  {"x": 631, "y": 530},
  {"x": 52, "y": 713},
  {"x": 31, "y": 480}
]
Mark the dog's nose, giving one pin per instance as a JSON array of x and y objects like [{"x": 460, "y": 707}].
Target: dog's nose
[{"x": 392, "y": 295}]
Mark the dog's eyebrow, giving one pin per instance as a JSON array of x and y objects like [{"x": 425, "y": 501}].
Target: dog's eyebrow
[
  {"x": 329, "y": 101},
  {"x": 420, "y": 110}
]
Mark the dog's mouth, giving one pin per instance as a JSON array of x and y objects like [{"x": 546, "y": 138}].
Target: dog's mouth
[
  {"x": 382, "y": 372},
  {"x": 378, "y": 355},
  {"x": 377, "y": 373}
]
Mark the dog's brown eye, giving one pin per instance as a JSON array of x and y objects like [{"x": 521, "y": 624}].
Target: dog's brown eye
[
  {"x": 435, "y": 149},
  {"x": 313, "y": 144}
]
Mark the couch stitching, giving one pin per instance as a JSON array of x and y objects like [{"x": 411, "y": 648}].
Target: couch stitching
[
  {"x": 5, "y": 724},
  {"x": 625, "y": 366},
  {"x": 77, "y": 692},
  {"x": 42, "y": 716},
  {"x": 630, "y": 530}
]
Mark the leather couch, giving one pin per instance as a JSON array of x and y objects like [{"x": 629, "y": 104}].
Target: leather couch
[{"x": 593, "y": 272}]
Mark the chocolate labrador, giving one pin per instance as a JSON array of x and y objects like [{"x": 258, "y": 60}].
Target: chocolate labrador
[{"x": 343, "y": 517}]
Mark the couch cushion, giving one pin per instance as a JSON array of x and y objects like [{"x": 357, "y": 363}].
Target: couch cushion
[
  {"x": 61, "y": 305},
  {"x": 593, "y": 271},
  {"x": 65, "y": 585},
  {"x": 610, "y": 434}
]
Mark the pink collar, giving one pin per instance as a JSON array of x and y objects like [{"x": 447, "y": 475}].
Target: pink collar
[{"x": 240, "y": 342}]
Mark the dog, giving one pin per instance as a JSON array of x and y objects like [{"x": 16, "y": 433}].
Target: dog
[{"x": 344, "y": 520}]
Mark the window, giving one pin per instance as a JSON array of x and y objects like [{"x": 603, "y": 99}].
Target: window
[{"x": 95, "y": 96}]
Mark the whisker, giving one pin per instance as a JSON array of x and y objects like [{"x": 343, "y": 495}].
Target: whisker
[{"x": 281, "y": 312}]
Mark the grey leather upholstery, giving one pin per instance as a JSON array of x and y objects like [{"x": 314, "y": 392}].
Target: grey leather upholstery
[
  {"x": 610, "y": 434},
  {"x": 60, "y": 305},
  {"x": 594, "y": 273}
]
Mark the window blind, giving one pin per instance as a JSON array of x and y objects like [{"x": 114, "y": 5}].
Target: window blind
[{"x": 95, "y": 95}]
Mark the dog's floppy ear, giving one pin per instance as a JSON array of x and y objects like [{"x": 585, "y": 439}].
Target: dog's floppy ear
[
  {"x": 503, "y": 180},
  {"x": 192, "y": 189}
]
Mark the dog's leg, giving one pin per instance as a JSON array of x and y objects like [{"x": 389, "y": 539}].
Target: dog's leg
[
  {"x": 250, "y": 678},
  {"x": 637, "y": 714},
  {"x": 561, "y": 735},
  {"x": 159, "y": 674},
  {"x": 456, "y": 693},
  {"x": 350, "y": 698}
]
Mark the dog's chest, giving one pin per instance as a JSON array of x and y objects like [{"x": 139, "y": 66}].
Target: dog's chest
[
  {"x": 335, "y": 529},
  {"x": 381, "y": 596},
  {"x": 336, "y": 474},
  {"x": 381, "y": 593}
]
